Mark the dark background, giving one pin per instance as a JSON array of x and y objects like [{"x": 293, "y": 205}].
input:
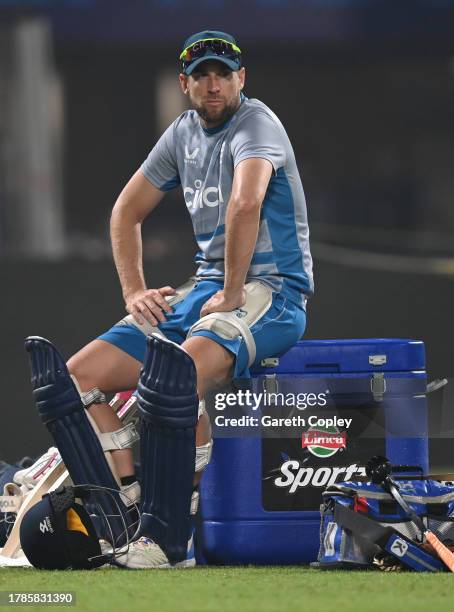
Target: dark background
[{"x": 366, "y": 93}]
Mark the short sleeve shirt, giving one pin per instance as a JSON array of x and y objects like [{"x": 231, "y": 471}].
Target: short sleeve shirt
[{"x": 203, "y": 162}]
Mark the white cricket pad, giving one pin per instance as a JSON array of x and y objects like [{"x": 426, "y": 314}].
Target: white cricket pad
[{"x": 231, "y": 325}]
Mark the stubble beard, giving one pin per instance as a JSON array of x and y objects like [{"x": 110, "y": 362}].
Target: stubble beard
[{"x": 215, "y": 117}]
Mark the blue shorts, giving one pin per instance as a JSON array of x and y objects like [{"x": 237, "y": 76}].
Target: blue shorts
[{"x": 281, "y": 326}]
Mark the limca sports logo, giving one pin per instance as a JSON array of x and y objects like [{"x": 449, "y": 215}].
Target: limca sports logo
[{"x": 324, "y": 442}]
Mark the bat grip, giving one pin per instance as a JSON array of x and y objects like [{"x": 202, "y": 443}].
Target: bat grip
[{"x": 442, "y": 551}]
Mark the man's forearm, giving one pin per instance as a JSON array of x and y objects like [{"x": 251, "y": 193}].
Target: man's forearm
[
  {"x": 242, "y": 226},
  {"x": 126, "y": 240}
]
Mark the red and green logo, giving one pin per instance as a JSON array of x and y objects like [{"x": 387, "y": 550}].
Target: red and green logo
[{"x": 324, "y": 442}]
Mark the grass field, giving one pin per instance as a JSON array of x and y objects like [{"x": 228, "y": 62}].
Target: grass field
[{"x": 240, "y": 588}]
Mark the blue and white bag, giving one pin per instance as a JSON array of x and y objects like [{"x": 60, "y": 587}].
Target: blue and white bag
[{"x": 362, "y": 526}]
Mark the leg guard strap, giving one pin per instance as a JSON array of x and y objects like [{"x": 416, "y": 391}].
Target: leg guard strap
[
  {"x": 194, "y": 502},
  {"x": 94, "y": 396},
  {"x": 117, "y": 440},
  {"x": 130, "y": 494},
  {"x": 203, "y": 455}
]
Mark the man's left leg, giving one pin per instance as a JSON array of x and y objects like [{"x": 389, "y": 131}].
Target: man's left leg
[
  {"x": 213, "y": 362},
  {"x": 168, "y": 401}
]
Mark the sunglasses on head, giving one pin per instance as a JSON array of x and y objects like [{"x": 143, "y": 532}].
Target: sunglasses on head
[{"x": 218, "y": 46}]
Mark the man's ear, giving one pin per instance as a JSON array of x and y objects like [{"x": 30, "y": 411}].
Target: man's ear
[
  {"x": 242, "y": 76},
  {"x": 183, "y": 83}
]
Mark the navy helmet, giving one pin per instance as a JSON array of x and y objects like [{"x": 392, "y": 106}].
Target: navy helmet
[{"x": 58, "y": 532}]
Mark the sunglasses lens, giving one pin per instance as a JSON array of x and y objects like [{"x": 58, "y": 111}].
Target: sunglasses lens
[
  {"x": 201, "y": 48},
  {"x": 219, "y": 46}
]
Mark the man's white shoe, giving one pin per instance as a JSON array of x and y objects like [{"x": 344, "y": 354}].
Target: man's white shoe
[{"x": 146, "y": 554}]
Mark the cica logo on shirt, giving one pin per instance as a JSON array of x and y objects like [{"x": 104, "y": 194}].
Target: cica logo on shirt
[{"x": 198, "y": 198}]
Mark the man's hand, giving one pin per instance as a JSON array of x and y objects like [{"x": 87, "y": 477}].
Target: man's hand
[
  {"x": 149, "y": 304},
  {"x": 220, "y": 302}
]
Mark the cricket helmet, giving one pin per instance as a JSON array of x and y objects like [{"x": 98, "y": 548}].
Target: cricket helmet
[{"x": 59, "y": 533}]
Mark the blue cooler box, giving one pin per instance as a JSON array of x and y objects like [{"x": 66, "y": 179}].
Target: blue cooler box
[{"x": 343, "y": 401}]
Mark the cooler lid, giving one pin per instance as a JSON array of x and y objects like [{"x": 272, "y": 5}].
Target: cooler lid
[{"x": 357, "y": 355}]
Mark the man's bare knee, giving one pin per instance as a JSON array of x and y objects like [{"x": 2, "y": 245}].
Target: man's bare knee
[
  {"x": 86, "y": 368},
  {"x": 77, "y": 369},
  {"x": 213, "y": 362},
  {"x": 103, "y": 365}
]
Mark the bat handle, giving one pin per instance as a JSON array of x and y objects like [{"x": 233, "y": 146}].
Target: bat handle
[{"x": 442, "y": 551}]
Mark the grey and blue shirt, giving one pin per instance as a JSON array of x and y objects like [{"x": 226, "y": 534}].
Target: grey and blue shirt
[{"x": 203, "y": 162}]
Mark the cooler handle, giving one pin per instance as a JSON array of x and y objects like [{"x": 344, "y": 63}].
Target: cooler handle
[
  {"x": 402, "y": 469},
  {"x": 323, "y": 367}
]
